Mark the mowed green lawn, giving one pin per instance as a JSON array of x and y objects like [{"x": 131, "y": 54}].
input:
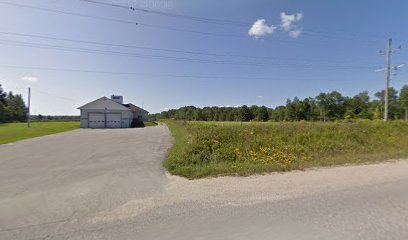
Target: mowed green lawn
[
  {"x": 11, "y": 132},
  {"x": 223, "y": 148}
]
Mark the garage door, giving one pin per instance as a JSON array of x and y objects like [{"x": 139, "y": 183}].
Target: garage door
[
  {"x": 113, "y": 120},
  {"x": 96, "y": 120}
]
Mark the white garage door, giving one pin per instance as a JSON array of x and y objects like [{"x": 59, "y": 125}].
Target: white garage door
[
  {"x": 113, "y": 120},
  {"x": 96, "y": 120}
]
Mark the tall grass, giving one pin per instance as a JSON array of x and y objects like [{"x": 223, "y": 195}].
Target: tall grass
[{"x": 211, "y": 149}]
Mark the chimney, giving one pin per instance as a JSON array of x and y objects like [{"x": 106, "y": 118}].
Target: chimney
[{"x": 118, "y": 99}]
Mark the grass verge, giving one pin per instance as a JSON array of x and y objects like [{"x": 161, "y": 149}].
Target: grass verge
[
  {"x": 143, "y": 124},
  {"x": 204, "y": 149},
  {"x": 11, "y": 132},
  {"x": 150, "y": 124}
]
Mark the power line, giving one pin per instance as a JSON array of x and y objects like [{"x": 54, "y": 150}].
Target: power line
[
  {"x": 325, "y": 34},
  {"x": 7, "y": 89},
  {"x": 174, "y": 15},
  {"x": 36, "y": 90},
  {"x": 66, "y": 12},
  {"x": 165, "y": 49},
  {"x": 156, "y": 74},
  {"x": 329, "y": 36},
  {"x": 125, "y": 54},
  {"x": 54, "y": 95},
  {"x": 135, "y": 47},
  {"x": 135, "y": 23},
  {"x": 170, "y": 58},
  {"x": 351, "y": 36}
]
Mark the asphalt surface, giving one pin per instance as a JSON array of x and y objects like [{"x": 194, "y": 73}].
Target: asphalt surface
[
  {"x": 109, "y": 184},
  {"x": 49, "y": 182}
]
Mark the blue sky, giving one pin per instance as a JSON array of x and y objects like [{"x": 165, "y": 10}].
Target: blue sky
[{"x": 336, "y": 48}]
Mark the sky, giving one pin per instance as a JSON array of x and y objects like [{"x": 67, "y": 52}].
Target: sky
[{"x": 202, "y": 53}]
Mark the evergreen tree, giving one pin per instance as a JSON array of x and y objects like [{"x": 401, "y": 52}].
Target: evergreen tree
[
  {"x": 12, "y": 107},
  {"x": 15, "y": 109},
  {"x": 3, "y": 105}
]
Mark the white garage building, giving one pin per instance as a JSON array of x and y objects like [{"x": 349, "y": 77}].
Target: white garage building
[{"x": 111, "y": 113}]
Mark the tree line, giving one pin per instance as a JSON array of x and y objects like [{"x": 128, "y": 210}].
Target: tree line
[
  {"x": 12, "y": 107},
  {"x": 323, "y": 107},
  {"x": 48, "y": 118}
]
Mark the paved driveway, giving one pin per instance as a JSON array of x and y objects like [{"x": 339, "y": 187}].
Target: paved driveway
[
  {"x": 48, "y": 181},
  {"x": 109, "y": 184}
]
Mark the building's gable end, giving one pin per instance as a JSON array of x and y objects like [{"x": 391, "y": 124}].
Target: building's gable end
[{"x": 104, "y": 103}]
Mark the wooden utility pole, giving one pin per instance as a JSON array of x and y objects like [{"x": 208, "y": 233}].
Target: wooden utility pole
[
  {"x": 387, "y": 78},
  {"x": 28, "y": 107}
]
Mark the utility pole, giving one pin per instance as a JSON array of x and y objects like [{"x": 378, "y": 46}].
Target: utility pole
[
  {"x": 387, "y": 78},
  {"x": 388, "y": 68},
  {"x": 28, "y": 110}
]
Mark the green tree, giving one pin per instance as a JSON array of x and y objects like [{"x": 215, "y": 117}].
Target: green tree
[
  {"x": 377, "y": 113},
  {"x": 290, "y": 113},
  {"x": 393, "y": 107},
  {"x": 3, "y": 105},
  {"x": 278, "y": 114},
  {"x": 336, "y": 105},
  {"x": 245, "y": 114},
  {"x": 164, "y": 115},
  {"x": 323, "y": 103},
  {"x": 15, "y": 109},
  {"x": 262, "y": 114},
  {"x": 254, "y": 112},
  {"x": 326, "y": 107},
  {"x": 403, "y": 99},
  {"x": 358, "y": 106},
  {"x": 198, "y": 115}
]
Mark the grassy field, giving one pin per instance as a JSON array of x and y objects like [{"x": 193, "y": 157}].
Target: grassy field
[
  {"x": 11, "y": 132},
  {"x": 213, "y": 149}
]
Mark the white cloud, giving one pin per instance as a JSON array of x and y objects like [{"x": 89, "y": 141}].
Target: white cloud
[
  {"x": 288, "y": 24},
  {"x": 287, "y": 21},
  {"x": 260, "y": 28},
  {"x": 295, "y": 33},
  {"x": 30, "y": 79}
]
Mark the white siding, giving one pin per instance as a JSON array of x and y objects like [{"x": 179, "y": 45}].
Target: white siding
[
  {"x": 102, "y": 104},
  {"x": 140, "y": 116},
  {"x": 84, "y": 119},
  {"x": 127, "y": 119},
  {"x": 105, "y": 106}
]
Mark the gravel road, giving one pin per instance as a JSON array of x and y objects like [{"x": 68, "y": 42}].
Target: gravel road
[{"x": 109, "y": 184}]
